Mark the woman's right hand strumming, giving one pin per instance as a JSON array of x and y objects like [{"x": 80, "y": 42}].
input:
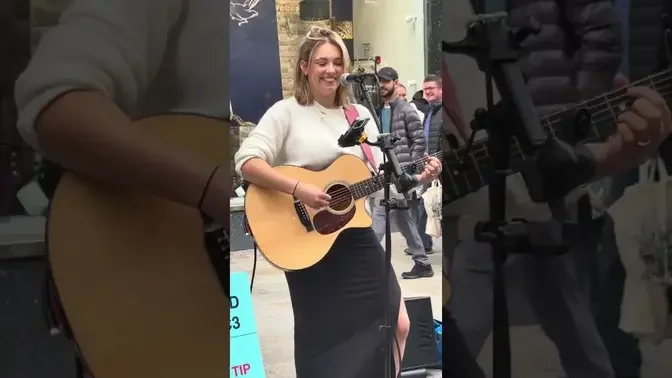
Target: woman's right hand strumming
[
  {"x": 257, "y": 171},
  {"x": 311, "y": 195}
]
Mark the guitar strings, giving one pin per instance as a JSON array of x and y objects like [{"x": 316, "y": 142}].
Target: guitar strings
[
  {"x": 481, "y": 154},
  {"x": 601, "y": 110},
  {"x": 451, "y": 158},
  {"x": 344, "y": 195},
  {"x": 421, "y": 160}
]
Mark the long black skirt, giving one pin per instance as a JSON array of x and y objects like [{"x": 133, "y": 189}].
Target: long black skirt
[{"x": 339, "y": 307}]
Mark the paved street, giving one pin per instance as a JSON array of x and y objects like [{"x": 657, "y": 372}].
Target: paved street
[{"x": 533, "y": 356}]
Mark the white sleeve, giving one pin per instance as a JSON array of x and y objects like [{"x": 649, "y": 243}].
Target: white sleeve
[
  {"x": 420, "y": 114},
  {"x": 267, "y": 138},
  {"x": 115, "y": 47}
]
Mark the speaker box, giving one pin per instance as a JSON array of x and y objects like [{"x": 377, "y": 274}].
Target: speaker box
[
  {"x": 26, "y": 348},
  {"x": 421, "y": 349}
]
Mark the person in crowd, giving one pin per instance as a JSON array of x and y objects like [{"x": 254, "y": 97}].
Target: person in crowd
[
  {"x": 401, "y": 93},
  {"x": 419, "y": 101},
  {"x": 432, "y": 129},
  {"x": 401, "y": 119}
]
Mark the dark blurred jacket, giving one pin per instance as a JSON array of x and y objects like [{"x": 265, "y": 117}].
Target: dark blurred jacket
[
  {"x": 575, "y": 56},
  {"x": 420, "y": 102},
  {"x": 645, "y": 36},
  {"x": 435, "y": 132}
]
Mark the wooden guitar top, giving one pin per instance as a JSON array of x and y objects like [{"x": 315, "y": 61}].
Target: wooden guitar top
[{"x": 131, "y": 270}]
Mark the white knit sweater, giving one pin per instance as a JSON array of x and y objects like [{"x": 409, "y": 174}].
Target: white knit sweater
[{"x": 304, "y": 136}]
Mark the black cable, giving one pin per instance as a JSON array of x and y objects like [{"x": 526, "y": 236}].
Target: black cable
[
  {"x": 254, "y": 266},
  {"x": 206, "y": 187},
  {"x": 79, "y": 367}
]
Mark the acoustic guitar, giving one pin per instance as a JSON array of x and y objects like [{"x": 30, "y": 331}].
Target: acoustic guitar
[
  {"x": 140, "y": 290},
  {"x": 292, "y": 236}
]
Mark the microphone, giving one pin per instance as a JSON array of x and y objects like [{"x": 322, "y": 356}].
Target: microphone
[
  {"x": 347, "y": 79},
  {"x": 354, "y": 135}
]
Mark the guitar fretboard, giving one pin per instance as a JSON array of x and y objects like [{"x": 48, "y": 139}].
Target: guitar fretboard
[
  {"x": 371, "y": 185},
  {"x": 466, "y": 174}
]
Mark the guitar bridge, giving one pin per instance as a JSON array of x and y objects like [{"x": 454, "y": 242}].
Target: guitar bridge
[{"x": 302, "y": 213}]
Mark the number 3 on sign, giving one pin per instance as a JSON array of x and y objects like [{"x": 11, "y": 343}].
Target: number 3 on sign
[
  {"x": 234, "y": 303},
  {"x": 234, "y": 323}
]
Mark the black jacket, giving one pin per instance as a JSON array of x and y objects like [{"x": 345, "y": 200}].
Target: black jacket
[
  {"x": 435, "y": 134},
  {"x": 420, "y": 102},
  {"x": 575, "y": 56}
]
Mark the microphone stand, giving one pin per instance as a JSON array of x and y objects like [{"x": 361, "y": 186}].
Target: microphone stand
[
  {"x": 404, "y": 182},
  {"x": 369, "y": 103},
  {"x": 551, "y": 168}
]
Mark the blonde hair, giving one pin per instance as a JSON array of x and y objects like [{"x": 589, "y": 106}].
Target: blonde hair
[{"x": 316, "y": 37}]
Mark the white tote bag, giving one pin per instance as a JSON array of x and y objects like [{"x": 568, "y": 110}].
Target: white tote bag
[
  {"x": 655, "y": 246},
  {"x": 432, "y": 199}
]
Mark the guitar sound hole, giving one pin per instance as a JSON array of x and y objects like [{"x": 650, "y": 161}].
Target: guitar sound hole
[
  {"x": 341, "y": 197},
  {"x": 330, "y": 220}
]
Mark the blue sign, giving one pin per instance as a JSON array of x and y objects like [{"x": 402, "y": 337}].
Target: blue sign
[{"x": 246, "y": 358}]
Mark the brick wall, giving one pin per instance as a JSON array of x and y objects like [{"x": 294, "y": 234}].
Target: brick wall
[{"x": 290, "y": 31}]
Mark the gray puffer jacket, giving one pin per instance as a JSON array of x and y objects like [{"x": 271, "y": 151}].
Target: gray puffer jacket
[
  {"x": 406, "y": 126},
  {"x": 575, "y": 56}
]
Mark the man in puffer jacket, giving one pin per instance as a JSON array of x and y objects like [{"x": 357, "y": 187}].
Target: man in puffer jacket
[
  {"x": 575, "y": 57},
  {"x": 400, "y": 119}
]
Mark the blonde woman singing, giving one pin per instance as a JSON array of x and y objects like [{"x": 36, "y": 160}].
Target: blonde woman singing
[{"x": 338, "y": 303}]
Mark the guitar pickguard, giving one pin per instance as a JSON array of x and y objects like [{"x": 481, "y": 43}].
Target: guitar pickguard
[{"x": 326, "y": 222}]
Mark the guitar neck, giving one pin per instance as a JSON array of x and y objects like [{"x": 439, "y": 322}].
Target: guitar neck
[
  {"x": 467, "y": 173},
  {"x": 373, "y": 184}
]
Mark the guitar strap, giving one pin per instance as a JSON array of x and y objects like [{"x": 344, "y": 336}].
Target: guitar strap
[{"x": 351, "y": 115}]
